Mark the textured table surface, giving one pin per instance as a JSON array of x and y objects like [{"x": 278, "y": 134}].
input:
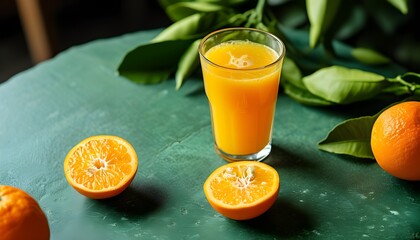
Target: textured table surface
[{"x": 48, "y": 109}]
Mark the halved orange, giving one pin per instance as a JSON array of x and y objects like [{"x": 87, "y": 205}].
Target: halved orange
[
  {"x": 101, "y": 166},
  {"x": 242, "y": 190}
]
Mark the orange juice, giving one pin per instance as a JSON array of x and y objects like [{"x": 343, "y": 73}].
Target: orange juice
[{"x": 241, "y": 80}]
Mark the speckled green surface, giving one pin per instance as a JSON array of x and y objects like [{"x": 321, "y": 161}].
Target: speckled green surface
[{"x": 48, "y": 109}]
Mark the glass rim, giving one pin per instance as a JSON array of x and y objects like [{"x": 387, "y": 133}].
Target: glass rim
[{"x": 281, "y": 55}]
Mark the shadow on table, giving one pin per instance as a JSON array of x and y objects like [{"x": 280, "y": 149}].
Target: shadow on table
[
  {"x": 410, "y": 186},
  {"x": 134, "y": 202},
  {"x": 280, "y": 157},
  {"x": 197, "y": 91},
  {"x": 283, "y": 219}
]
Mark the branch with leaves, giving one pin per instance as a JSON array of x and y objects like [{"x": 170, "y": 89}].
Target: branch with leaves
[
  {"x": 149, "y": 63},
  {"x": 322, "y": 82}
]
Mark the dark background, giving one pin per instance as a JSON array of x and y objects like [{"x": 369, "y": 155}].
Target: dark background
[{"x": 76, "y": 22}]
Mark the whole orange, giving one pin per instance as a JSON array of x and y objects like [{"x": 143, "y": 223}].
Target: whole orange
[
  {"x": 21, "y": 217},
  {"x": 395, "y": 140}
]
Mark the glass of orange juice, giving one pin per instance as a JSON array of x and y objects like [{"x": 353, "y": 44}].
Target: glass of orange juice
[{"x": 241, "y": 70}]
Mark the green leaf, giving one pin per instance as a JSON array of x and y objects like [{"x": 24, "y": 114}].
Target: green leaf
[
  {"x": 351, "y": 137},
  {"x": 292, "y": 14},
  {"x": 227, "y": 2},
  {"x": 343, "y": 85},
  {"x": 400, "y": 5},
  {"x": 303, "y": 96},
  {"x": 291, "y": 80},
  {"x": 352, "y": 22},
  {"x": 321, "y": 13},
  {"x": 180, "y": 10},
  {"x": 369, "y": 56},
  {"x": 194, "y": 26},
  {"x": 387, "y": 19},
  {"x": 187, "y": 64},
  {"x": 181, "y": 29},
  {"x": 153, "y": 62},
  {"x": 291, "y": 72}
]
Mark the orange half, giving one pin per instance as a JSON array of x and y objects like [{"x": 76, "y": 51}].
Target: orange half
[
  {"x": 101, "y": 166},
  {"x": 242, "y": 190}
]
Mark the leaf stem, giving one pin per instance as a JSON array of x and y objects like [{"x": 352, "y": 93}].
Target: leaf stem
[
  {"x": 260, "y": 10},
  {"x": 411, "y": 87},
  {"x": 257, "y": 14}
]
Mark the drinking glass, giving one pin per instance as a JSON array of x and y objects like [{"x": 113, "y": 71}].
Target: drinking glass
[{"x": 241, "y": 70}]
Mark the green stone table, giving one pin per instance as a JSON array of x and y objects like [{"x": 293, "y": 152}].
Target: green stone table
[{"x": 48, "y": 109}]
